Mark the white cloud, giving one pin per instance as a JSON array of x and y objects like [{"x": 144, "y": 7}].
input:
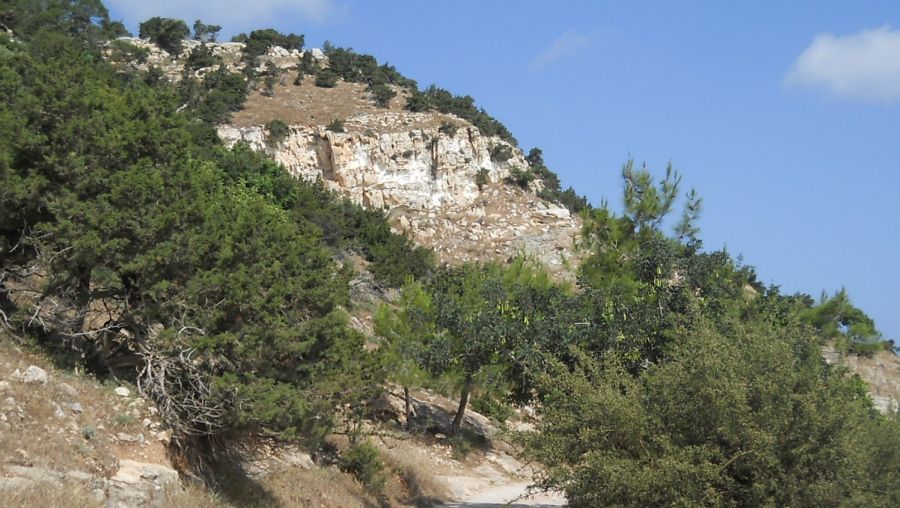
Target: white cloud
[
  {"x": 234, "y": 15},
  {"x": 563, "y": 46},
  {"x": 864, "y": 66}
]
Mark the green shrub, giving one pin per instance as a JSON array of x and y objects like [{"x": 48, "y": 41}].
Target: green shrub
[
  {"x": 500, "y": 153},
  {"x": 259, "y": 41},
  {"x": 167, "y": 33},
  {"x": 278, "y": 131},
  {"x": 326, "y": 78},
  {"x": 462, "y": 106},
  {"x": 482, "y": 178},
  {"x": 448, "y": 128},
  {"x": 363, "y": 461},
  {"x": 520, "y": 177},
  {"x": 201, "y": 57},
  {"x": 125, "y": 51},
  {"x": 492, "y": 408},
  {"x": 382, "y": 95},
  {"x": 336, "y": 125}
]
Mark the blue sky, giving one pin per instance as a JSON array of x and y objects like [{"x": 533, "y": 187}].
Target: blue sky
[{"x": 783, "y": 115}]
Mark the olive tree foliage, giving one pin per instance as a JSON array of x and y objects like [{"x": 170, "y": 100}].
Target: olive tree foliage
[
  {"x": 405, "y": 328},
  {"x": 167, "y": 33},
  {"x": 749, "y": 418}
]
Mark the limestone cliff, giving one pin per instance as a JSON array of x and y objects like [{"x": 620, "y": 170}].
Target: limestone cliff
[{"x": 426, "y": 180}]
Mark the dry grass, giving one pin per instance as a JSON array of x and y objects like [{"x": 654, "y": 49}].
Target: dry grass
[
  {"x": 415, "y": 468},
  {"x": 70, "y": 495},
  {"x": 308, "y": 104}
]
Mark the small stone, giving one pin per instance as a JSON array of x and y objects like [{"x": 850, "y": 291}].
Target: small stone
[
  {"x": 73, "y": 407},
  {"x": 57, "y": 410},
  {"x": 66, "y": 390},
  {"x": 165, "y": 436},
  {"x": 8, "y": 404},
  {"x": 4, "y": 386},
  {"x": 121, "y": 391},
  {"x": 147, "y": 422},
  {"x": 130, "y": 438},
  {"x": 35, "y": 374}
]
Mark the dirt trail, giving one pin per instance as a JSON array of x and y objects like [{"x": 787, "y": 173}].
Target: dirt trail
[{"x": 497, "y": 496}]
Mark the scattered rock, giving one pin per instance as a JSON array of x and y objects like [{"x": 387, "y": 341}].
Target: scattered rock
[
  {"x": 4, "y": 386},
  {"x": 36, "y": 474},
  {"x": 34, "y": 374},
  {"x": 130, "y": 438},
  {"x": 121, "y": 391},
  {"x": 141, "y": 484},
  {"x": 165, "y": 436},
  {"x": 66, "y": 390},
  {"x": 8, "y": 404},
  {"x": 15, "y": 483},
  {"x": 57, "y": 410},
  {"x": 74, "y": 407}
]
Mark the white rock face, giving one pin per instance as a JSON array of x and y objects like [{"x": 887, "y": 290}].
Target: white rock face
[
  {"x": 421, "y": 169},
  {"x": 427, "y": 181}
]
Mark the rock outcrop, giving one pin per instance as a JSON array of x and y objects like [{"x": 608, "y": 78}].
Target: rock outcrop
[{"x": 427, "y": 181}]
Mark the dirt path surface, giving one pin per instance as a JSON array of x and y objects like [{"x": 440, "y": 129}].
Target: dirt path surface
[{"x": 509, "y": 495}]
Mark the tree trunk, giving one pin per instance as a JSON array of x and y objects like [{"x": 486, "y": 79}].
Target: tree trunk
[
  {"x": 461, "y": 412},
  {"x": 408, "y": 406}
]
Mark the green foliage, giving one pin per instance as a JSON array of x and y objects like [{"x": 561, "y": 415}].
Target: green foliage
[
  {"x": 482, "y": 178},
  {"x": 326, "y": 78},
  {"x": 500, "y": 152},
  {"x": 551, "y": 190},
  {"x": 354, "y": 67},
  {"x": 83, "y": 20},
  {"x": 278, "y": 131},
  {"x": 205, "y": 33},
  {"x": 363, "y": 461},
  {"x": 336, "y": 125},
  {"x": 167, "y": 33},
  {"x": 213, "y": 99},
  {"x": 344, "y": 225},
  {"x": 382, "y": 94},
  {"x": 405, "y": 327},
  {"x": 434, "y": 98},
  {"x": 520, "y": 177},
  {"x": 703, "y": 430},
  {"x": 124, "y": 51},
  {"x": 837, "y": 319},
  {"x": 448, "y": 128},
  {"x": 221, "y": 250},
  {"x": 307, "y": 65},
  {"x": 201, "y": 57},
  {"x": 259, "y": 42}
]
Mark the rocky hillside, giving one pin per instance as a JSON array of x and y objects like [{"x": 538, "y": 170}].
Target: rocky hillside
[
  {"x": 444, "y": 187},
  {"x": 426, "y": 179}
]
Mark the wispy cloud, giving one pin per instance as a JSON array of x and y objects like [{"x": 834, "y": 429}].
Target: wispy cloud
[
  {"x": 233, "y": 15},
  {"x": 562, "y": 47},
  {"x": 865, "y": 65}
]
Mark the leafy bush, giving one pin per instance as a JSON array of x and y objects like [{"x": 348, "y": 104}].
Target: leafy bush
[
  {"x": 354, "y": 67},
  {"x": 205, "y": 33},
  {"x": 482, "y": 178},
  {"x": 124, "y": 51},
  {"x": 278, "y": 131},
  {"x": 520, "y": 177},
  {"x": 259, "y": 41},
  {"x": 448, "y": 128},
  {"x": 434, "y": 98},
  {"x": 363, "y": 461},
  {"x": 326, "y": 78},
  {"x": 167, "y": 33},
  {"x": 500, "y": 152},
  {"x": 382, "y": 95},
  {"x": 201, "y": 57},
  {"x": 336, "y": 125}
]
